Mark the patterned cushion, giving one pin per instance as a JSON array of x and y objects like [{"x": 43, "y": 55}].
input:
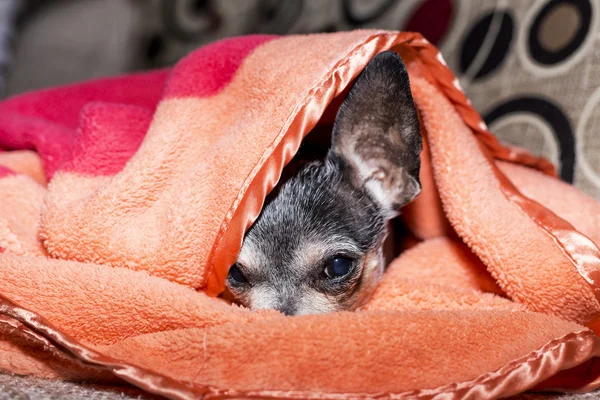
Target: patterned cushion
[{"x": 531, "y": 68}]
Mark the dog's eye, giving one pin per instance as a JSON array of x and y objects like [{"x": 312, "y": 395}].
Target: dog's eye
[
  {"x": 236, "y": 275},
  {"x": 337, "y": 267}
]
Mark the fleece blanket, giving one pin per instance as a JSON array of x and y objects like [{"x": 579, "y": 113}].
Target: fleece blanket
[{"x": 125, "y": 200}]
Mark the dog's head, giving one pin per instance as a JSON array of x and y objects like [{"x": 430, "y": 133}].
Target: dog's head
[{"x": 317, "y": 244}]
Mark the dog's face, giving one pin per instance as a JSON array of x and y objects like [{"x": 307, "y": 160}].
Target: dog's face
[{"x": 317, "y": 245}]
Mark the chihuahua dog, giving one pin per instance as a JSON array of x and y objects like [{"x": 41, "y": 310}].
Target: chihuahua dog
[{"x": 317, "y": 245}]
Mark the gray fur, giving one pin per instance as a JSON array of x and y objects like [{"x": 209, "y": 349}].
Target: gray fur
[{"x": 338, "y": 205}]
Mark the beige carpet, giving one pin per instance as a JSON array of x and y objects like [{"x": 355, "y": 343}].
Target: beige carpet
[{"x": 27, "y": 388}]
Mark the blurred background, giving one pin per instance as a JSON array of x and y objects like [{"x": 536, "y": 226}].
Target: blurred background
[{"x": 530, "y": 67}]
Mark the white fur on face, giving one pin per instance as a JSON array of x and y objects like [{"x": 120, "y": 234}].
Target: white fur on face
[
  {"x": 250, "y": 255},
  {"x": 263, "y": 297},
  {"x": 313, "y": 302},
  {"x": 308, "y": 301}
]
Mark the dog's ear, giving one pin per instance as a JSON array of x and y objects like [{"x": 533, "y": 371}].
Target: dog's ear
[{"x": 377, "y": 136}]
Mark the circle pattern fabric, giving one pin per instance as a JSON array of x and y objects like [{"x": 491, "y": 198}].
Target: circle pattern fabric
[
  {"x": 558, "y": 30},
  {"x": 540, "y": 89},
  {"x": 496, "y": 25},
  {"x": 542, "y": 113}
]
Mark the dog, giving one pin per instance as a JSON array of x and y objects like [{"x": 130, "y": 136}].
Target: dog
[{"x": 317, "y": 245}]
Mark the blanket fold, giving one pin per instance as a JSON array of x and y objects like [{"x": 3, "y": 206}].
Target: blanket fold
[{"x": 125, "y": 200}]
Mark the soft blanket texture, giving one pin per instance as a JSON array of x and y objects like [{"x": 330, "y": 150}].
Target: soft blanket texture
[{"x": 125, "y": 200}]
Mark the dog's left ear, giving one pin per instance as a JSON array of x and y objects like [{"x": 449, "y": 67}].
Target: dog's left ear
[{"x": 377, "y": 135}]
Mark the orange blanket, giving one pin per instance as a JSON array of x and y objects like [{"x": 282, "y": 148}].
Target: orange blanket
[{"x": 125, "y": 200}]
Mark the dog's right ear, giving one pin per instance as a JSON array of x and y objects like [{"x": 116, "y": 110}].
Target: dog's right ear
[{"x": 377, "y": 135}]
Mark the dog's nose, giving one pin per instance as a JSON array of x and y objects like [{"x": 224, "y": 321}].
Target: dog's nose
[{"x": 288, "y": 308}]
